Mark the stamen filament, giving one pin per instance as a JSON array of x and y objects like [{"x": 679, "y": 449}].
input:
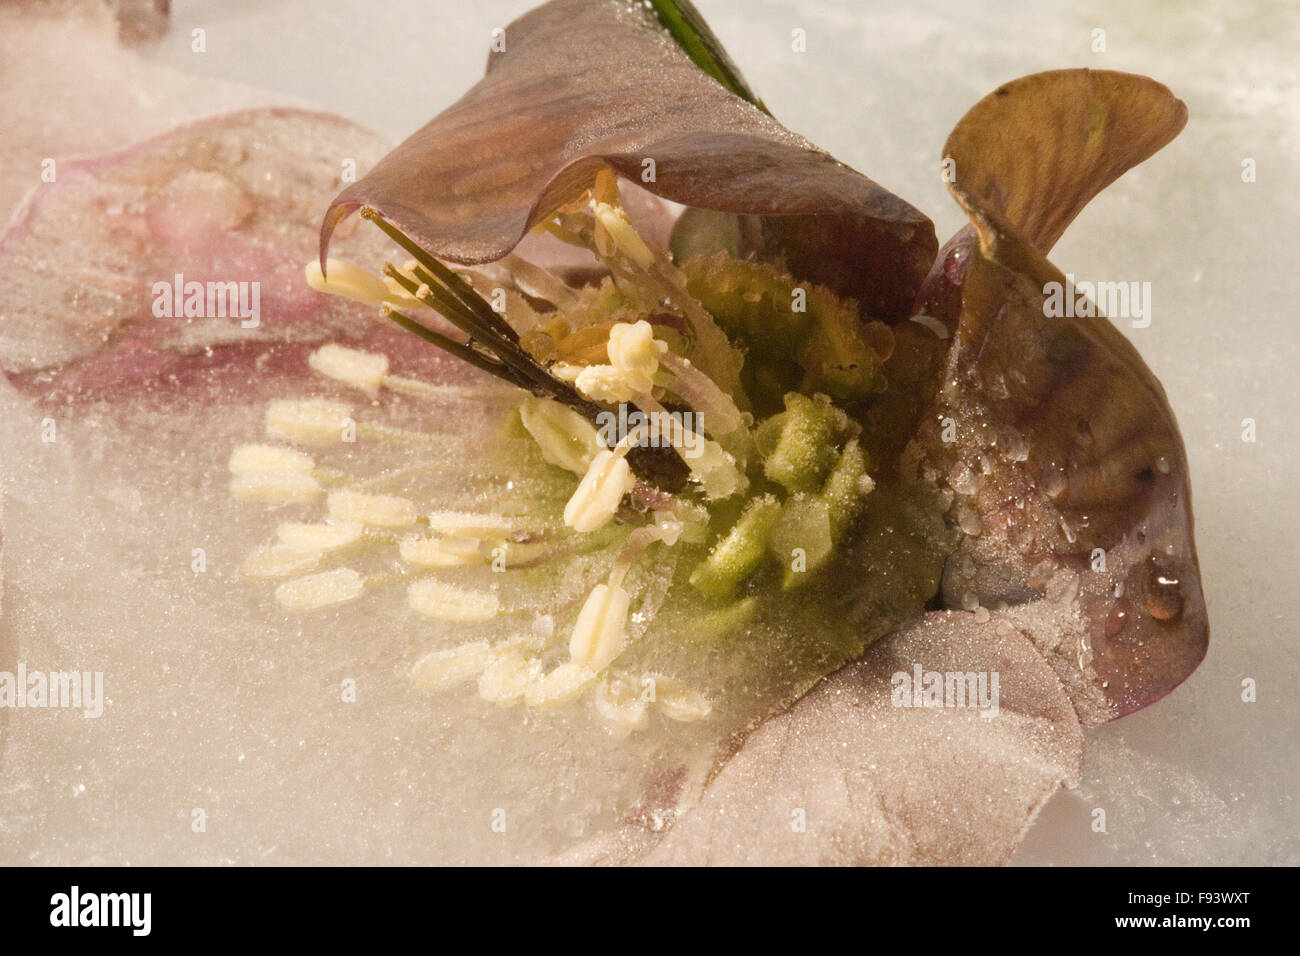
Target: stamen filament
[{"x": 537, "y": 281}]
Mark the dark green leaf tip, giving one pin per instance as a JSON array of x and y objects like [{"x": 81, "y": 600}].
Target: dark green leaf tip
[{"x": 685, "y": 25}]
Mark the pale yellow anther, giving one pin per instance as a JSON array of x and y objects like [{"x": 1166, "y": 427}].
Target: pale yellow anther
[
  {"x": 319, "y": 537},
  {"x": 619, "y": 708},
  {"x": 676, "y": 701},
  {"x": 508, "y": 677},
  {"x": 715, "y": 470},
  {"x": 599, "y": 632},
  {"x": 618, "y": 229},
  {"x": 320, "y": 590},
  {"x": 279, "y": 561},
  {"x": 456, "y": 665},
  {"x": 348, "y": 280},
  {"x": 608, "y": 479},
  {"x": 279, "y": 488},
  {"x": 269, "y": 460},
  {"x": 517, "y": 554},
  {"x": 561, "y": 686},
  {"x": 310, "y": 421},
  {"x": 446, "y": 602},
  {"x": 565, "y": 438},
  {"x": 567, "y": 371},
  {"x": 605, "y": 383},
  {"x": 633, "y": 360},
  {"x": 363, "y": 370},
  {"x": 634, "y": 348},
  {"x": 468, "y": 524},
  {"x": 376, "y": 511},
  {"x": 420, "y": 552}
]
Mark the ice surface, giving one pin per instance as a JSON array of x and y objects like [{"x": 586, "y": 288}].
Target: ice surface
[
  {"x": 119, "y": 419},
  {"x": 1200, "y": 777}
]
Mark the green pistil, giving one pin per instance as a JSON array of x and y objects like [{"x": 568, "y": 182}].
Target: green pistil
[
  {"x": 805, "y": 450},
  {"x": 740, "y": 551},
  {"x": 825, "y": 486}
]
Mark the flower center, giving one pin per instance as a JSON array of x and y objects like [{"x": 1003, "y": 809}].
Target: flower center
[{"x": 679, "y": 433}]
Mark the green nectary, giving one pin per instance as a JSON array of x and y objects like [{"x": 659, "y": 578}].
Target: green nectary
[{"x": 798, "y": 336}]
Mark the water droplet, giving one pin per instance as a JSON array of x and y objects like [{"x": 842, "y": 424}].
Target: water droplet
[{"x": 1163, "y": 594}]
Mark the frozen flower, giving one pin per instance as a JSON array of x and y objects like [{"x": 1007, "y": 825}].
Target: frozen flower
[{"x": 857, "y": 469}]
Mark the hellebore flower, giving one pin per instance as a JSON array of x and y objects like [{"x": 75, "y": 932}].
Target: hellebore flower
[{"x": 796, "y": 539}]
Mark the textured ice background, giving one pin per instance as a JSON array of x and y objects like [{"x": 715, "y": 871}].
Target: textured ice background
[{"x": 1202, "y": 777}]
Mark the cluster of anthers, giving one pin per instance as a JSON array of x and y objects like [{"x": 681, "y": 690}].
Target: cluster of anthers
[{"x": 633, "y": 387}]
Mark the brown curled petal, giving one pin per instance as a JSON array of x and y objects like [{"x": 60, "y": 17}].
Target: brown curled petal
[
  {"x": 1071, "y": 478},
  {"x": 1068, "y": 456},
  {"x": 1036, "y": 150},
  {"x": 589, "y": 84}
]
